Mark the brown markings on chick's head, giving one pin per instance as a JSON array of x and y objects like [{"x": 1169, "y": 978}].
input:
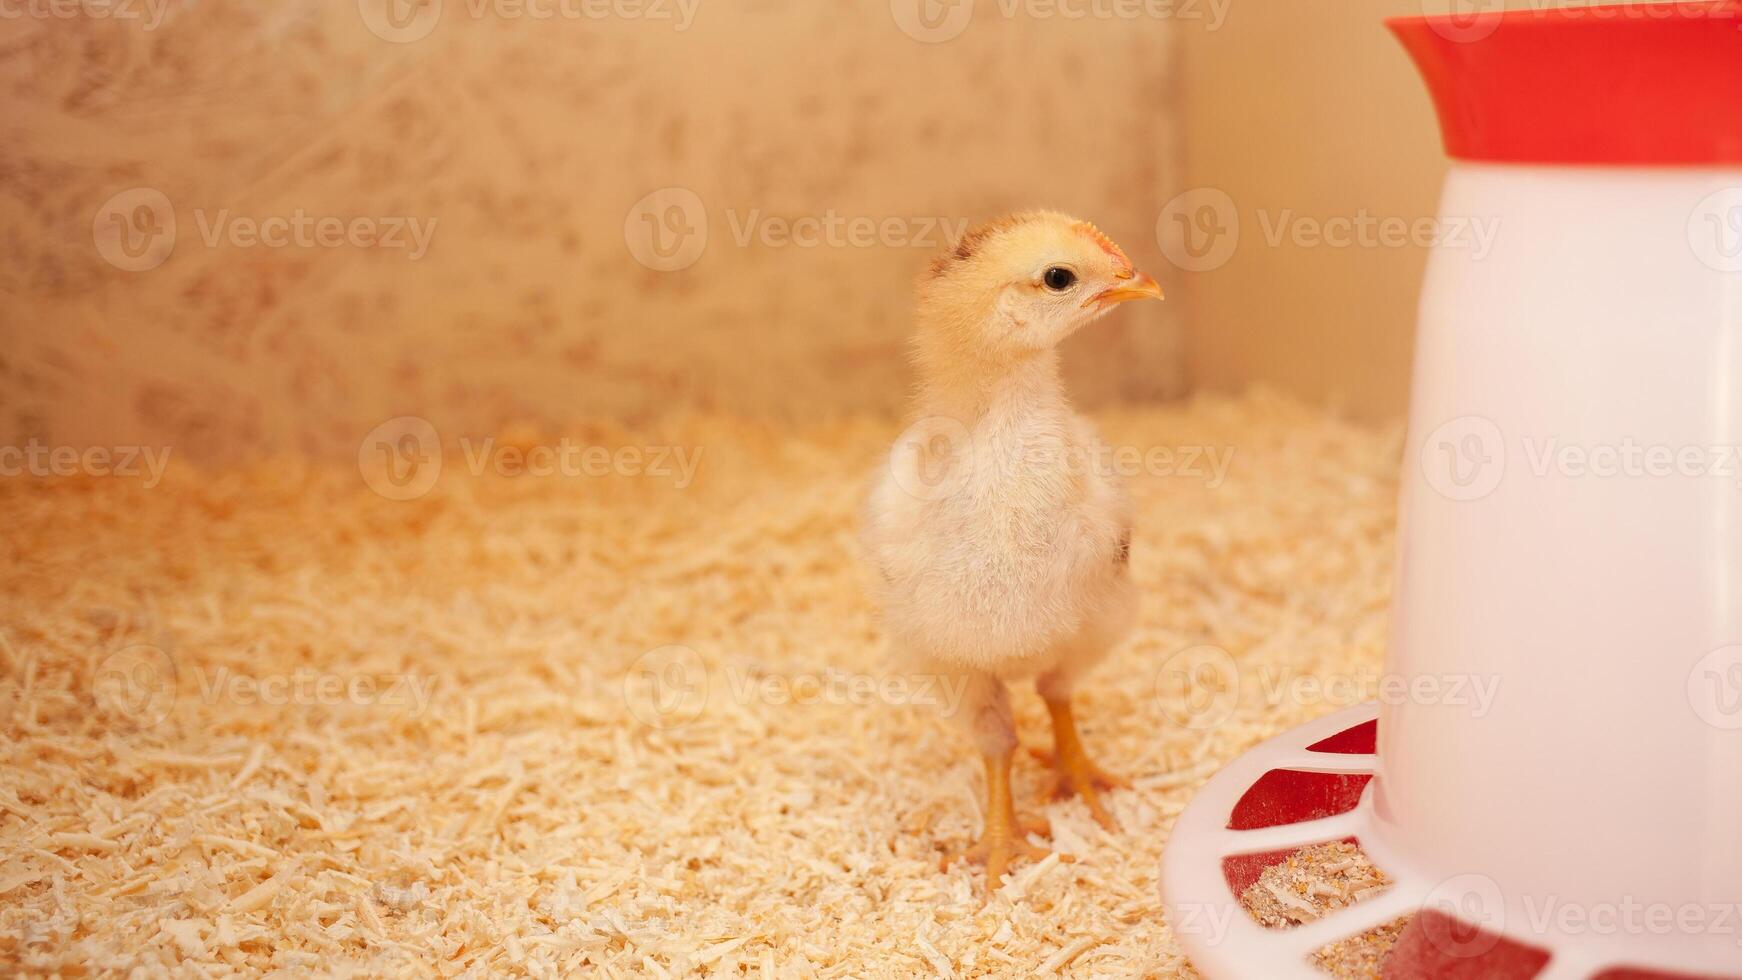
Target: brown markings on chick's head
[{"x": 972, "y": 241}]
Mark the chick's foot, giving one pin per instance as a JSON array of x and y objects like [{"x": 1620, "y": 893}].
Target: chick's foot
[
  {"x": 1005, "y": 838},
  {"x": 1074, "y": 773},
  {"x": 997, "y": 850}
]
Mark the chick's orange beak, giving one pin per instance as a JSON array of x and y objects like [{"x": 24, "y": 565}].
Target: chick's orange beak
[{"x": 1138, "y": 287}]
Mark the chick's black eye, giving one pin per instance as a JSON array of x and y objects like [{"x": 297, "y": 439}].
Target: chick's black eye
[{"x": 1058, "y": 279}]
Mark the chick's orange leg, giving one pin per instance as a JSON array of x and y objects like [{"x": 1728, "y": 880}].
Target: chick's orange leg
[
  {"x": 1073, "y": 771},
  {"x": 1004, "y": 839}
]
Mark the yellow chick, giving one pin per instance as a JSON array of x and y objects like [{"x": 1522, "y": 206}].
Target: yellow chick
[{"x": 1000, "y": 537}]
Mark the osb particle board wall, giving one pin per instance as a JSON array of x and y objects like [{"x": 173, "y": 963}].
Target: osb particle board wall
[{"x": 521, "y": 148}]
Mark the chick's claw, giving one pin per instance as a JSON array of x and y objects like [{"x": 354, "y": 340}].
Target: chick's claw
[
  {"x": 997, "y": 852},
  {"x": 1066, "y": 777},
  {"x": 1087, "y": 780},
  {"x": 1074, "y": 773},
  {"x": 1034, "y": 823},
  {"x": 1005, "y": 838}
]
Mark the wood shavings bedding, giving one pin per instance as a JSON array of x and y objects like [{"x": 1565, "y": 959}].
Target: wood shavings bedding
[{"x": 264, "y": 719}]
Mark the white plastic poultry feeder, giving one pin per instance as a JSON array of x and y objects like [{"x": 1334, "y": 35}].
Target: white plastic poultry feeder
[{"x": 1570, "y": 529}]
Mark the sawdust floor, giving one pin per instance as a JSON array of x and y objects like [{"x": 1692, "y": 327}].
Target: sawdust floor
[{"x": 268, "y": 719}]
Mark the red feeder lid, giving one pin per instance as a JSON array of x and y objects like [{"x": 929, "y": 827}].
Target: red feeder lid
[{"x": 1646, "y": 84}]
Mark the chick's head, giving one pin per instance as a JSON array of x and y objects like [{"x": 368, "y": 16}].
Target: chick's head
[{"x": 1024, "y": 283}]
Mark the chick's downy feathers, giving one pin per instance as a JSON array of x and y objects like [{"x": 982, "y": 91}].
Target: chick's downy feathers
[{"x": 1001, "y": 538}]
